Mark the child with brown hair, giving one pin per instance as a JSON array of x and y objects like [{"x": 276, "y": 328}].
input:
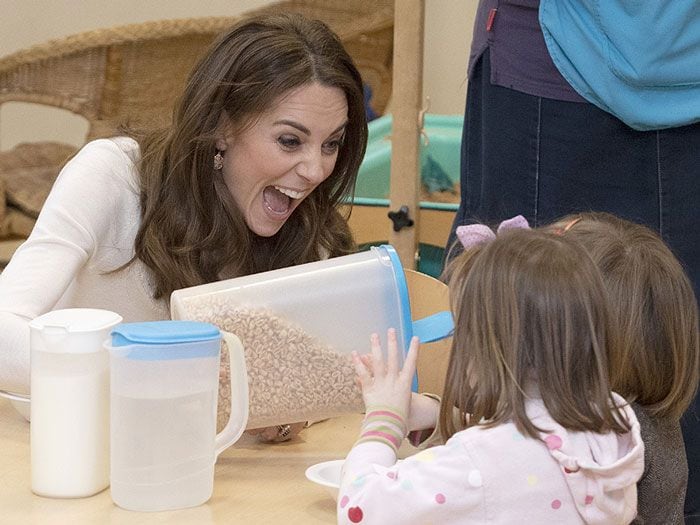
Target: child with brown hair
[
  {"x": 654, "y": 358},
  {"x": 534, "y": 433}
]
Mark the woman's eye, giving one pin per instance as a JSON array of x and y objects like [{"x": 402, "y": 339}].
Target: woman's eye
[
  {"x": 332, "y": 146},
  {"x": 288, "y": 142}
]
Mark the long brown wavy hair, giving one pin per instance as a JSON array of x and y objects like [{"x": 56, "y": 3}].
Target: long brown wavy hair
[
  {"x": 530, "y": 311},
  {"x": 654, "y": 352},
  {"x": 191, "y": 231}
]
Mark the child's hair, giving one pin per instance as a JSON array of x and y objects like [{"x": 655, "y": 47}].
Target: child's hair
[
  {"x": 530, "y": 311},
  {"x": 654, "y": 358}
]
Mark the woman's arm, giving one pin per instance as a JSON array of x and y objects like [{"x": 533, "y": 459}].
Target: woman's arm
[{"x": 77, "y": 213}]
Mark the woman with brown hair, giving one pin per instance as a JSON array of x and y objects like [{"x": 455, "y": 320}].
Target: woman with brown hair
[
  {"x": 264, "y": 146},
  {"x": 654, "y": 358}
]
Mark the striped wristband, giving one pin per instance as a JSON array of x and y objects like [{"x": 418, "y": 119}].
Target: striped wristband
[{"x": 385, "y": 425}]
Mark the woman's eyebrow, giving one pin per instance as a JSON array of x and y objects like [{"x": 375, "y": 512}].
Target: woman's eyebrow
[
  {"x": 304, "y": 129},
  {"x": 293, "y": 124},
  {"x": 340, "y": 128}
]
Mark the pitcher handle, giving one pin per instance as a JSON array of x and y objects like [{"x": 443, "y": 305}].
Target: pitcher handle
[{"x": 238, "y": 419}]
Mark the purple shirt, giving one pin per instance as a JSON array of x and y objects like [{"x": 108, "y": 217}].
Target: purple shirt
[{"x": 510, "y": 30}]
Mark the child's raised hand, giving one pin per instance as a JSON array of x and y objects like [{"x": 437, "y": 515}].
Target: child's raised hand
[{"x": 382, "y": 383}]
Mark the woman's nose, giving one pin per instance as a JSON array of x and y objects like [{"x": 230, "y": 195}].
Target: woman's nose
[{"x": 312, "y": 168}]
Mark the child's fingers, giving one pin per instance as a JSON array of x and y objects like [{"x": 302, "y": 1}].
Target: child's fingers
[
  {"x": 363, "y": 374},
  {"x": 392, "y": 352},
  {"x": 409, "y": 364},
  {"x": 367, "y": 361},
  {"x": 377, "y": 359}
]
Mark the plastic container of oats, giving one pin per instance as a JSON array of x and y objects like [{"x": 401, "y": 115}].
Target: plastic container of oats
[{"x": 298, "y": 326}]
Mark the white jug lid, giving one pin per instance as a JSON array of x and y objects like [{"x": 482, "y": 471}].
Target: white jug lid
[{"x": 76, "y": 320}]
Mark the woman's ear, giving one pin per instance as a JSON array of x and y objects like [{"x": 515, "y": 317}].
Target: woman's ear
[
  {"x": 223, "y": 133},
  {"x": 221, "y": 143}
]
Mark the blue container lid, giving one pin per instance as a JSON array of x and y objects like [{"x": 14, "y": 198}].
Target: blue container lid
[
  {"x": 163, "y": 333},
  {"x": 402, "y": 290},
  {"x": 404, "y": 300}
]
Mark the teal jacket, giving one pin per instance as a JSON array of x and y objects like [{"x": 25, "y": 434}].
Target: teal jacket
[{"x": 636, "y": 59}]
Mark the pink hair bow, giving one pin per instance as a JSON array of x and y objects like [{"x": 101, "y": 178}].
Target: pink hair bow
[{"x": 471, "y": 235}]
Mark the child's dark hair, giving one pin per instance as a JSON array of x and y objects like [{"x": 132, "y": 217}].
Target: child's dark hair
[
  {"x": 653, "y": 353},
  {"x": 531, "y": 318}
]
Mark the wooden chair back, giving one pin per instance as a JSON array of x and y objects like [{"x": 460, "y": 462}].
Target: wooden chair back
[
  {"x": 428, "y": 296},
  {"x": 133, "y": 73}
]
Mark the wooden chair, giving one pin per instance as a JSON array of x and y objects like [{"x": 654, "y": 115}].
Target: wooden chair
[
  {"x": 132, "y": 75},
  {"x": 428, "y": 296}
]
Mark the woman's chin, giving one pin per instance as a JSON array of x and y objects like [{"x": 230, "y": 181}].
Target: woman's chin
[
  {"x": 265, "y": 228},
  {"x": 267, "y": 223}
]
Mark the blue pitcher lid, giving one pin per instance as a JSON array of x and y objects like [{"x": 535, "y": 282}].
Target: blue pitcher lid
[{"x": 163, "y": 332}]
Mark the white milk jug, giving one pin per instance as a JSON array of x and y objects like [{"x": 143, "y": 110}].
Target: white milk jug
[
  {"x": 164, "y": 390},
  {"x": 69, "y": 430}
]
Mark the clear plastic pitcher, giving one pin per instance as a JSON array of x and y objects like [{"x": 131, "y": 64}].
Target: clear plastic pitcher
[
  {"x": 69, "y": 432},
  {"x": 164, "y": 389}
]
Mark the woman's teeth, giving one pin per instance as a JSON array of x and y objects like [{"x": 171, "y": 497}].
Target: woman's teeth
[{"x": 290, "y": 193}]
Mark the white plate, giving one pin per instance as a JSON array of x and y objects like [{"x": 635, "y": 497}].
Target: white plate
[
  {"x": 19, "y": 402},
  {"x": 326, "y": 474}
]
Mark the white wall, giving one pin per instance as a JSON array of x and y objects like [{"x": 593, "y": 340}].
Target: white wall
[
  {"x": 448, "y": 26},
  {"x": 448, "y": 34}
]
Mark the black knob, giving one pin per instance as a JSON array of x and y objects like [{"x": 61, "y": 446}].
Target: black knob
[{"x": 400, "y": 218}]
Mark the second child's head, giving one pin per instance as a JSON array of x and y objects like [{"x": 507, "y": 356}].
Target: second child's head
[
  {"x": 654, "y": 354},
  {"x": 531, "y": 320}
]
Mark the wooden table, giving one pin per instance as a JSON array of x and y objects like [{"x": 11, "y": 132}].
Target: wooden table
[{"x": 254, "y": 483}]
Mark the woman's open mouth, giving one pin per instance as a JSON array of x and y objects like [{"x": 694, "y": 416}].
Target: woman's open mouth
[{"x": 279, "y": 201}]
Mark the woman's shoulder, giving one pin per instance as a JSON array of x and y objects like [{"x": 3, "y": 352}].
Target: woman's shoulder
[
  {"x": 115, "y": 149},
  {"x": 110, "y": 161}
]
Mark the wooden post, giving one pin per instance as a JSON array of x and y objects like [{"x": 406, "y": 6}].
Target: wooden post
[{"x": 405, "y": 134}]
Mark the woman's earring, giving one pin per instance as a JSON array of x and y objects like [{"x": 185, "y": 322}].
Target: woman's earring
[{"x": 218, "y": 160}]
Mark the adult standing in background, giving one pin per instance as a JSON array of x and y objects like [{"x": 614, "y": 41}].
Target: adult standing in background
[{"x": 611, "y": 124}]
